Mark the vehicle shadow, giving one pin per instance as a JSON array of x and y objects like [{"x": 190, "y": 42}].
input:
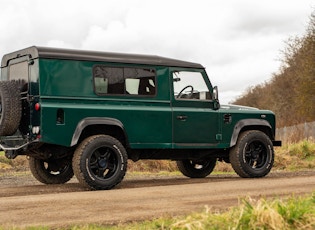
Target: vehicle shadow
[
  {"x": 167, "y": 180},
  {"x": 33, "y": 187}
]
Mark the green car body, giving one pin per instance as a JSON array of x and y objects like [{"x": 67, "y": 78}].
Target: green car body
[{"x": 71, "y": 95}]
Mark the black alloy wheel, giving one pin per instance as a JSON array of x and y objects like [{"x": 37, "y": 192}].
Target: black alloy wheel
[
  {"x": 51, "y": 171},
  {"x": 100, "y": 162},
  {"x": 253, "y": 154}
]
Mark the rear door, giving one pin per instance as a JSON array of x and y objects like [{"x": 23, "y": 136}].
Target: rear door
[{"x": 19, "y": 70}]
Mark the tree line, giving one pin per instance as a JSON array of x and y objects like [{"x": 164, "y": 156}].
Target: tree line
[{"x": 291, "y": 92}]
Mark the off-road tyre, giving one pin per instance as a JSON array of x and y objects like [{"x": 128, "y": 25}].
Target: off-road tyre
[
  {"x": 100, "y": 162},
  {"x": 10, "y": 107},
  {"x": 57, "y": 171},
  {"x": 253, "y": 154},
  {"x": 196, "y": 168}
]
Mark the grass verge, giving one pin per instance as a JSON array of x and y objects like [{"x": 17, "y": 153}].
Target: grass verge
[
  {"x": 291, "y": 213},
  {"x": 295, "y": 156}
]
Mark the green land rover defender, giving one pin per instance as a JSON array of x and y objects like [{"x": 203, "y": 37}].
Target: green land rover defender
[{"x": 85, "y": 113}]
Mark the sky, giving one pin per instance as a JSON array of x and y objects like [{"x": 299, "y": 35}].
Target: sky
[{"x": 239, "y": 42}]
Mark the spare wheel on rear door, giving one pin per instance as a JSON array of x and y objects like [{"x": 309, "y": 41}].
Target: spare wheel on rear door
[{"x": 10, "y": 107}]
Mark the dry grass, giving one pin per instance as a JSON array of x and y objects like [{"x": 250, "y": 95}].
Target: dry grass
[
  {"x": 293, "y": 213},
  {"x": 18, "y": 164},
  {"x": 155, "y": 166},
  {"x": 295, "y": 156}
]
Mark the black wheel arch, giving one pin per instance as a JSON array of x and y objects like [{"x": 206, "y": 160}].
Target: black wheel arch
[
  {"x": 251, "y": 124},
  {"x": 100, "y": 125}
]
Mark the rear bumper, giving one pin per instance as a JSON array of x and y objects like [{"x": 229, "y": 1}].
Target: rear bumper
[
  {"x": 8, "y": 148},
  {"x": 13, "y": 145}
]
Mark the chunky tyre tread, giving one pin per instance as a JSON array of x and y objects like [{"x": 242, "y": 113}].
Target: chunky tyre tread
[
  {"x": 11, "y": 107},
  {"x": 42, "y": 175},
  {"x": 79, "y": 163},
  {"x": 237, "y": 155}
]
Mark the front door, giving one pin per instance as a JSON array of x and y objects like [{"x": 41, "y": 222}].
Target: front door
[{"x": 195, "y": 122}]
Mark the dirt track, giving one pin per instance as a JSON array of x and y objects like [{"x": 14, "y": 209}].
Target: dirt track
[{"x": 33, "y": 204}]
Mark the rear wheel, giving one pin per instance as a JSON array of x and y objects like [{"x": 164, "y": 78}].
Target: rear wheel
[
  {"x": 196, "y": 168},
  {"x": 100, "y": 162},
  {"x": 10, "y": 107},
  {"x": 53, "y": 171},
  {"x": 253, "y": 154}
]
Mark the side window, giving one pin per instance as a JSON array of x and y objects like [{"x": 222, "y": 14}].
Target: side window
[
  {"x": 101, "y": 85},
  {"x": 108, "y": 80},
  {"x": 124, "y": 81},
  {"x": 190, "y": 85},
  {"x": 140, "y": 81}
]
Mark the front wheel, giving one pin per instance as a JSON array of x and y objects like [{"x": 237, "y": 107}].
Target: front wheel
[
  {"x": 51, "y": 171},
  {"x": 253, "y": 154},
  {"x": 100, "y": 162},
  {"x": 196, "y": 168}
]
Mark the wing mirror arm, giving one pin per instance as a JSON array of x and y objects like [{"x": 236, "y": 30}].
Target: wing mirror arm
[{"x": 215, "y": 98}]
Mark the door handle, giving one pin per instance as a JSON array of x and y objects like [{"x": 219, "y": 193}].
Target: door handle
[{"x": 182, "y": 117}]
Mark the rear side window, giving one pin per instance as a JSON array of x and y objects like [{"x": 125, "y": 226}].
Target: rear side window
[{"x": 124, "y": 81}]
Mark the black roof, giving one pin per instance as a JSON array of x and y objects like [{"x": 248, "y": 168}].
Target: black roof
[{"x": 85, "y": 55}]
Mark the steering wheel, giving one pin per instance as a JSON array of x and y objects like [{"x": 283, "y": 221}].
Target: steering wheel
[{"x": 186, "y": 87}]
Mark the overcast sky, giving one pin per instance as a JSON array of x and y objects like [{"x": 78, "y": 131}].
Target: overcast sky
[{"x": 238, "y": 41}]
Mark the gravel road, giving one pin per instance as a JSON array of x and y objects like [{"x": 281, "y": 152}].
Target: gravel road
[{"x": 24, "y": 202}]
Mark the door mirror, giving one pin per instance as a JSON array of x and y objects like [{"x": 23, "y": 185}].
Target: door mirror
[{"x": 215, "y": 98}]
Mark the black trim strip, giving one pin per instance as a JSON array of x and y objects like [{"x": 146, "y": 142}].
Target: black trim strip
[
  {"x": 246, "y": 122},
  {"x": 94, "y": 121}
]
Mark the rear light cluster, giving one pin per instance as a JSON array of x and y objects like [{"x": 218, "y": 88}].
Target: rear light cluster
[
  {"x": 35, "y": 130},
  {"x": 37, "y": 107}
]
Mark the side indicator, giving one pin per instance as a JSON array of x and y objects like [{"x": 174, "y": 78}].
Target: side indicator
[{"x": 227, "y": 118}]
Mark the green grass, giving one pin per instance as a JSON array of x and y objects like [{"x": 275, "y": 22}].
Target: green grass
[
  {"x": 303, "y": 149},
  {"x": 5, "y": 163},
  {"x": 295, "y": 156}
]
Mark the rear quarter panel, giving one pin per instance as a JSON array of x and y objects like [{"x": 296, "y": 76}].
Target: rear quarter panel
[{"x": 68, "y": 85}]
